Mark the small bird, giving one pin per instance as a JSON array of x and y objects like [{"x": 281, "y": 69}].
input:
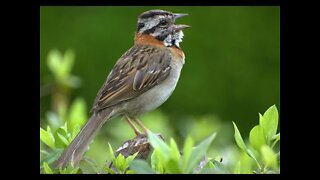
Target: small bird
[{"x": 142, "y": 79}]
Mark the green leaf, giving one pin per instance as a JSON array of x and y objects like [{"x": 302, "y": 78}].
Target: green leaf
[
  {"x": 129, "y": 159},
  {"x": 54, "y": 61},
  {"x": 249, "y": 152},
  {"x": 121, "y": 160},
  {"x": 77, "y": 115},
  {"x": 71, "y": 170},
  {"x": 130, "y": 172},
  {"x": 187, "y": 150},
  {"x": 141, "y": 167},
  {"x": 120, "y": 163},
  {"x": 111, "y": 152},
  {"x": 63, "y": 139},
  {"x": 47, "y": 137},
  {"x": 60, "y": 65},
  {"x": 75, "y": 170},
  {"x": 238, "y": 138},
  {"x": 172, "y": 167},
  {"x": 157, "y": 162},
  {"x": 269, "y": 157},
  {"x": 242, "y": 145},
  {"x": 246, "y": 163},
  {"x": 175, "y": 154},
  {"x": 109, "y": 170},
  {"x": 44, "y": 152},
  {"x": 159, "y": 144},
  {"x": 260, "y": 118},
  {"x": 60, "y": 136},
  {"x": 276, "y": 138},
  {"x": 269, "y": 122},
  {"x": 62, "y": 171},
  {"x": 257, "y": 137},
  {"x": 198, "y": 153},
  {"x": 47, "y": 169}
]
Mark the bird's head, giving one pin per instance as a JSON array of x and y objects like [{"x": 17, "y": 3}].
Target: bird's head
[{"x": 161, "y": 25}]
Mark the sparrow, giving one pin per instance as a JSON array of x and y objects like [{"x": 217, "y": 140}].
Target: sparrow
[{"x": 141, "y": 80}]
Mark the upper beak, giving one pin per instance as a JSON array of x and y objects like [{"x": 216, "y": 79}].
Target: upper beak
[{"x": 177, "y": 15}]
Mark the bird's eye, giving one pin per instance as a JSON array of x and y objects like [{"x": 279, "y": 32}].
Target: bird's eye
[{"x": 163, "y": 23}]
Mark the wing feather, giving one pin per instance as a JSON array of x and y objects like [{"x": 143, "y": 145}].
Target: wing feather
[{"x": 138, "y": 70}]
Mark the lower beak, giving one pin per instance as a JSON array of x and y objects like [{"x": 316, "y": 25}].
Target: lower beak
[{"x": 180, "y": 27}]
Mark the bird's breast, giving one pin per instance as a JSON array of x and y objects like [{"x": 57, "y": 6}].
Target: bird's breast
[{"x": 157, "y": 95}]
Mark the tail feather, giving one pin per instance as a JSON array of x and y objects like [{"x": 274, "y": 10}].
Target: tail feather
[{"x": 80, "y": 143}]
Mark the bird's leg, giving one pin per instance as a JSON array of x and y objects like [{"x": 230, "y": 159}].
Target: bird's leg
[
  {"x": 145, "y": 130},
  {"x": 136, "y": 131}
]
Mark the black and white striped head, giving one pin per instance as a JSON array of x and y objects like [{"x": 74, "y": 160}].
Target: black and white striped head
[{"x": 160, "y": 24}]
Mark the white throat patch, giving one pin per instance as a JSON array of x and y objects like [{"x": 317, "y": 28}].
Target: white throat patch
[{"x": 174, "y": 39}]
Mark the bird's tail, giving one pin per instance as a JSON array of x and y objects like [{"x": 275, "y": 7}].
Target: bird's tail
[{"x": 80, "y": 143}]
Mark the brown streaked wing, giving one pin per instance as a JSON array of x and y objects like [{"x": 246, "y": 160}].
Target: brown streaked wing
[{"x": 138, "y": 70}]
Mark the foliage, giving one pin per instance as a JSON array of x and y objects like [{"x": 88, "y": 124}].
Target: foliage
[
  {"x": 65, "y": 121},
  {"x": 262, "y": 138},
  {"x": 120, "y": 163},
  {"x": 61, "y": 66},
  {"x": 167, "y": 158}
]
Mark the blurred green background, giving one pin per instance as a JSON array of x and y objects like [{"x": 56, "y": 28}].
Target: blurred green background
[{"x": 232, "y": 69}]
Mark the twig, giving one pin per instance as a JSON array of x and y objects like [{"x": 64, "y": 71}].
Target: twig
[{"x": 138, "y": 144}]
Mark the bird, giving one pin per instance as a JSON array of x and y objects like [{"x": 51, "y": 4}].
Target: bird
[{"x": 142, "y": 79}]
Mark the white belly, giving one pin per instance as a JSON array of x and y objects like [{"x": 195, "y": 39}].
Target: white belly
[{"x": 157, "y": 95}]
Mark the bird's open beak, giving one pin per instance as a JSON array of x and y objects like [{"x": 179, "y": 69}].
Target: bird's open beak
[{"x": 179, "y": 26}]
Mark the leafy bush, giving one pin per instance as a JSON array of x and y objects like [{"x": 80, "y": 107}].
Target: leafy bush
[
  {"x": 167, "y": 158},
  {"x": 263, "y": 139}
]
